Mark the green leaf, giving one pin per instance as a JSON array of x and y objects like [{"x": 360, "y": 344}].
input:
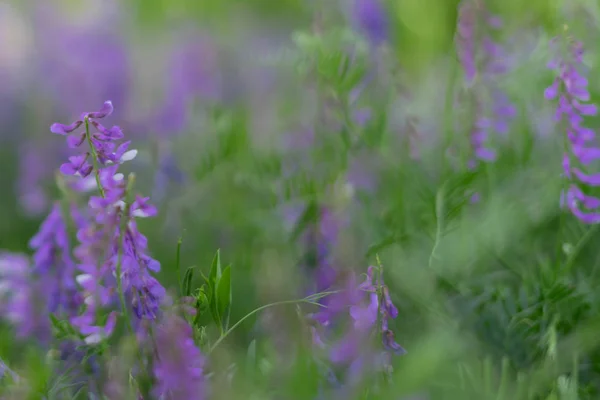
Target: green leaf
[
  {"x": 309, "y": 215},
  {"x": 202, "y": 304},
  {"x": 251, "y": 358},
  {"x": 187, "y": 281},
  {"x": 224, "y": 295},
  {"x": 215, "y": 271}
]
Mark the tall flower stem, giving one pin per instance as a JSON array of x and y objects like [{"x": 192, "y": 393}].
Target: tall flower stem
[
  {"x": 130, "y": 182},
  {"x": 118, "y": 268},
  {"x": 88, "y": 137},
  {"x": 309, "y": 300}
]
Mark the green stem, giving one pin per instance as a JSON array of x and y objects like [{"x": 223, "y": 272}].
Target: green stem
[
  {"x": 88, "y": 137},
  {"x": 120, "y": 286},
  {"x": 119, "y": 267},
  {"x": 579, "y": 246},
  {"x": 439, "y": 214},
  {"x": 448, "y": 117},
  {"x": 251, "y": 313},
  {"x": 178, "y": 264}
]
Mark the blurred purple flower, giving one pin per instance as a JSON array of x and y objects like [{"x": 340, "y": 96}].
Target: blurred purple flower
[
  {"x": 34, "y": 174},
  {"x": 81, "y": 64},
  {"x": 109, "y": 238},
  {"x": 53, "y": 265},
  {"x": 192, "y": 74},
  {"x": 179, "y": 364},
  {"x": 465, "y": 38},
  {"x": 20, "y": 303},
  {"x": 369, "y": 307},
  {"x": 570, "y": 87},
  {"x": 371, "y": 18},
  {"x": 102, "y": 142},
  {"x": 486, "y": 60}
]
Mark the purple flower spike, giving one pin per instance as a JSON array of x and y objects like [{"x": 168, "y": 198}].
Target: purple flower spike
[
  {"x": 482, "y": 57},
  {"x": 371, "y": 18},
  {"x": 102, "y": 141},
  {"x": 369, "y": 307},
  {"x": 18, "y": 298},
  {"x": 179, "y": 365},
  {"x": 108, "y": 236},
  {"x": 570, "y": 86}
]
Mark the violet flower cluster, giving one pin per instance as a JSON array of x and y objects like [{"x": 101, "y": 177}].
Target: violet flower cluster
[
  {"x": 111, "y": 246},
  {"x": 179, "y": 364},
  {"x": 320, "y": 239},
  {"x": 20, "y": 304},
  {"x": 371, "y": 18},
  {"x": 53, "y": 264},
  {"x": 370, "y": 308},
  {"x": 33, "y": 289},
  {"x": 482, "y": 60},
  {"x": 581, "y": 148}
]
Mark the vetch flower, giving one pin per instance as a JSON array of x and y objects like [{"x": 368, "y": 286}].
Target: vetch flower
[
  {"x": 371, "y": 18},
  {"x": 53, "y": 265},
  {"x": 103, "y": 147},
  {"x": 570, "y": 87},
  {"x": 483, "y": 61},
  {"x": 20, "y": 303},
  {"x": 179, "y": 364},
  {"x": 112, "y": 253},
  {"x": 369, "y": 307}
]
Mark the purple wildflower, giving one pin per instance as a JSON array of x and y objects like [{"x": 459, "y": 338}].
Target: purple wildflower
[
  {"x": 102, "y": 142},
  {"x": 369, "y": 307},
  {"x": 53, "y": 264},
  {"x": 179, "y": 364},
  {"x": 45, "y": 287},
  {"x": 371, "y": 18},
  {"x": 110, "y": 242},
  {"x": 570, "y": 87},
  {"x": 80, "y": 64},
  {"x": 20, "y": 303},
  {"x": 484, "y": 59}
]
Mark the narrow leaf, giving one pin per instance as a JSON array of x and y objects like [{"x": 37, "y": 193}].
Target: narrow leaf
[
  {"x": 187, "y": 281},
  {"x": 224, "y": 294},
  {"x": 215, "y": 270}
]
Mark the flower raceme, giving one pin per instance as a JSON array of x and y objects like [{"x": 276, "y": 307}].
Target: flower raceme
[
  {"x": 483, "y": 62},
  {"x": 369, "y": 307},
  {"x": 570, "y": 87},
  {"x": 179, "y": 366},
  {"x": 102, "y": 143},
  {"x": 112, "y": 252},
  {"x": 31, "y": 290}
]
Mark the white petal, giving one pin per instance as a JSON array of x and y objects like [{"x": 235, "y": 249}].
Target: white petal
[
  {"x": 88, "y": 184},
  {"x": 118, "y": 177},
  {"x": 93, "y": 338},
  {"x": 120, "y": 204},
  {"x": 81, "y": 279},
  {"x": 139, "y": 213},
  {"x": 5, "y": 266},
  {"x": 4, "y": 287},
  {"x": 129, "y": 155}
]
